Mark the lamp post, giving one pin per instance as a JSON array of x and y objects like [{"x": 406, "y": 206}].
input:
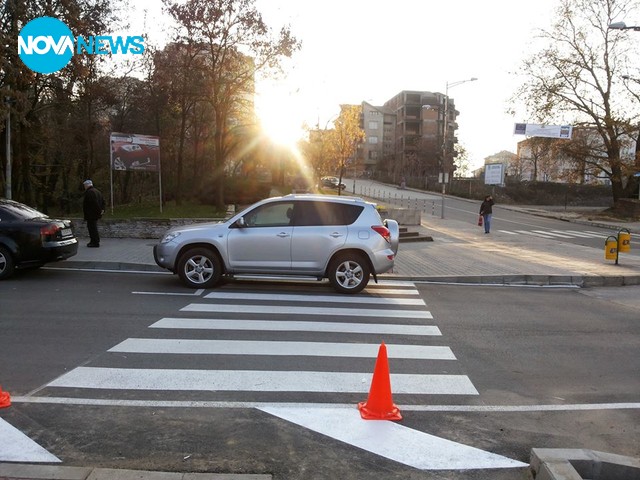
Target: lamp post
[
  {"x": 445, "y": 133},
  {"x": 623, "y": 26},
  {"x": 7, "y": 191}
]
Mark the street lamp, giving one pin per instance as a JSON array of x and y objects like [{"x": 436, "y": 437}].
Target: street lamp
[
  {"x": 7, "y": 191},
  {"x": 445, "y": 133},
  {"x": 623, "y": 26}
]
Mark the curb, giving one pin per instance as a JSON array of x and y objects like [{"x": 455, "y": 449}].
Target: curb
[
  {"x": 11, "y": 471},
  {"x": 579, "y": 464},
  {"x": 504, "y": 280}
]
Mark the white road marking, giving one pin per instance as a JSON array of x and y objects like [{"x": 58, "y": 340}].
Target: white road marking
[
  {"x": 293, "y": 326},
  {"x": 257, "y": 381},
  {"x": 285, "y": 297},
  {"x": 305, "y": 311},
  {"x": 575, "y": 233},
  {"x": 15, "y": 446},
  {"x": 392, "y": 291},
  {"x": 391, "y": 283},
  {"x": 197, "y": 293},
  {"x": 546, "y": 232},
  {"x": 303, "y": 349},
  {"x": 508, "y": 231},
  {"x": 393, "y": 441},
  {"x": 528, "y": 232},
  {"x": 569, "y": 407}
]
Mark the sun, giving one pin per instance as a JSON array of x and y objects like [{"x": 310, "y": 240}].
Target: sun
[{"x": 279, "y": 116}]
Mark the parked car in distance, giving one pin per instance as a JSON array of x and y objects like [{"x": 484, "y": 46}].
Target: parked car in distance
[
  {"x": 30, "y": 239},
  {"x": 340, "y": 238},
  {"x": 331, "y": 182}
]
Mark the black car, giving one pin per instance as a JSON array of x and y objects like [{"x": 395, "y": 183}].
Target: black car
[
  {"x": 332, "y": 182},
  {"x": 29, "y": 238}
]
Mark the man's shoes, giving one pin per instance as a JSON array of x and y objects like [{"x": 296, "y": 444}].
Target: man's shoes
[{"x": 93, "y": 245}]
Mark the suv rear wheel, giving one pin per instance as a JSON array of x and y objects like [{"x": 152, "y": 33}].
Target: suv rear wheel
[
  {"x": 199, "y": 268},
  {"x": 349, "y": 273}
]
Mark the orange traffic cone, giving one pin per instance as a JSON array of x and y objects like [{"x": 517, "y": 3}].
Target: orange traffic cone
[
  {"x": 5, "y": 399},
  {"x": 379, "y": 405}
]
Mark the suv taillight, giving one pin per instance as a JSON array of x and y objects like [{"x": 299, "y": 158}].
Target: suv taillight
[{"x": 383, "y": 231}]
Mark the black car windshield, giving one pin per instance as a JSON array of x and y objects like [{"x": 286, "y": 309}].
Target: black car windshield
[{"x": 20, "y": 211}]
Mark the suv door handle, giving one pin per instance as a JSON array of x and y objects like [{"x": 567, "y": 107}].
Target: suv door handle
[
  {"x": 283, "y": 234},
  {"x": 336, "y": 235}
]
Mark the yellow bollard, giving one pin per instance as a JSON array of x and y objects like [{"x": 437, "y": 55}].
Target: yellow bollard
[
  {"x": 624, "y": 240},
  {"x": 611, "y": 248}
]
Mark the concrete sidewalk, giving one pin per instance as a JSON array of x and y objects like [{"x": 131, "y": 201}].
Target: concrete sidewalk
[{"x": 460, "y": 253}]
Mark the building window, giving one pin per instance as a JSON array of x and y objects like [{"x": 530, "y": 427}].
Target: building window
[
  {"x": 373, "y": 125},
  {"x": 373, "y": 154},
  {"x": 373, "y": 140}
]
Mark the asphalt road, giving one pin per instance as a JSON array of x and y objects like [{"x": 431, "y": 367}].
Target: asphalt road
[{"x": 498, "y": 369}]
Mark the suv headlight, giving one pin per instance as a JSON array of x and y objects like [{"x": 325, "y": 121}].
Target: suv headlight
[{"x": 169, "y": 237}]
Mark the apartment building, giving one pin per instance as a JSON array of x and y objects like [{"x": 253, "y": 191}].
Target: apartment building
[{"x": 404, "y": 137}]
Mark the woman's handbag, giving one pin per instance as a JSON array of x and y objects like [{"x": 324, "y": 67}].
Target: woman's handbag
[{"x": 479, "y": 220}]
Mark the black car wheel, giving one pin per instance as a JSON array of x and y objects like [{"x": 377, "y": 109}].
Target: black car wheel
[
  {"x": 349, "y": 273},
  {"x": 6, "y": 263},
  {"x": 200, "y": 268}
]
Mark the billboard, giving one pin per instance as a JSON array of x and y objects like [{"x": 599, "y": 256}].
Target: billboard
[
  {"x": 538, "y": 130},
  {"x": 494, "y": 174},
  {"x": 135, "y": 152}
]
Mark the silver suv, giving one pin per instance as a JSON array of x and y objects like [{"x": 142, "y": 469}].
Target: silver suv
[{"x": 339, "y": 238}]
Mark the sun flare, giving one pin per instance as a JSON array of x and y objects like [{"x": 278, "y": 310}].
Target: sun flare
[{"x": 279, "y": 117}]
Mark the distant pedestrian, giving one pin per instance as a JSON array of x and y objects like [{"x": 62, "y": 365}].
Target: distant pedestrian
[
  {"x": 486, "y": 210},
  {"x": 93, "y": 208}
]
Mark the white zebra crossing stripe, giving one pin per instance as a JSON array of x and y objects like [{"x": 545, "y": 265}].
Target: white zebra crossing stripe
[
  {"x": 304, "y": 349},
  {"x": 15, "y": 446},
  {"x": 528, "y": 232},
  {"x": 556, "y": 233},
  {"x": 293, "y": 326},
  {"x": 392, "y": 440},
  {"x": 546, "y": 232},
  {"x": 583, "y": 234},
  {"x": 392, "y": 291},
  {"x": 304, "y": 311},
  {"x": 356, "y": 299},
  {"x": 257, "y": 381}
]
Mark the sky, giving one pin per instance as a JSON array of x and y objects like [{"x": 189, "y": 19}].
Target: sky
[{"x": 359, "y": 50}]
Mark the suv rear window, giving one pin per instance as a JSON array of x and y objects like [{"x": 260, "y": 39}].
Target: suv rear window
[{"x": 325, "y": 213}]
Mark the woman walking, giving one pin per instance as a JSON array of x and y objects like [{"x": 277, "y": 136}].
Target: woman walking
[{"x": 486, "y": 211}]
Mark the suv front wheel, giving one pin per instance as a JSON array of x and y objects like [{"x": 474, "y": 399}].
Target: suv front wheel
[
  {"x": 349, "y": 273},
  {"x": 200, "y": 268}
]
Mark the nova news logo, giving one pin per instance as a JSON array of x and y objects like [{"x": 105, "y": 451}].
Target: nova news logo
[{"x": 46, "y": 45}]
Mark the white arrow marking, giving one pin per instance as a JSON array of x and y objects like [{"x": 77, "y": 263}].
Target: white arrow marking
[
  {"x": 391, "y": 440},
  {"x": 15, "y": 446}
]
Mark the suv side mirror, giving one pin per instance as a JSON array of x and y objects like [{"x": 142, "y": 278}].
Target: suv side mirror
[{"x": 240, "y": 223}]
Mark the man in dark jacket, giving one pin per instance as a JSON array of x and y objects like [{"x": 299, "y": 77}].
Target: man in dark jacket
[{"x": 93, "y": 208}]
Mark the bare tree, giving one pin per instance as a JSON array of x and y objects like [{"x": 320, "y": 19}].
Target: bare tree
[{"x": 574, "y": 79}]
